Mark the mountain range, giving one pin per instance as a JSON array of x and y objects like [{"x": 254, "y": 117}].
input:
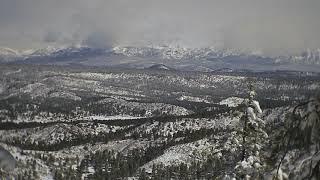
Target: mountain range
[{"x": 174, "y": 57}]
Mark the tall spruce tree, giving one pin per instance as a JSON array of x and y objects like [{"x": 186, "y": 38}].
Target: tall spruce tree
[{"x": 253, "y": 139}]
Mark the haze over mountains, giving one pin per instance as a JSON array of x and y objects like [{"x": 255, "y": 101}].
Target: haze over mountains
[
  {"x": 251, "y": 35},
  {"x": 176, "y": 57}
]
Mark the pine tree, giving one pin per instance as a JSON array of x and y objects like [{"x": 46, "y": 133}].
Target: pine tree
[
  {"x": 303, "y": 134},
  {"x": 253, "y": 138}
]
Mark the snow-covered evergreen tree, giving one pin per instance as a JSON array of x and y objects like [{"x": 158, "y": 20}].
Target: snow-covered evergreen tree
[
  {"x": 302, "y": 151},
  {"x": 253, "y": 139},
  {"x": 311, "y": 124}
]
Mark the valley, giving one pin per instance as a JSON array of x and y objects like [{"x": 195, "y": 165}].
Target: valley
[{"x": 73, "y": 122}]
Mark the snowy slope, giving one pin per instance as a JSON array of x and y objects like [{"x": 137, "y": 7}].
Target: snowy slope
[
  {"x": 232, "y": 101},
  {"x": 7, "y": 54}
]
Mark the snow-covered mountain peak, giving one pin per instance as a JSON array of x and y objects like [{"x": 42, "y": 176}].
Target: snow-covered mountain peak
[
  {"x": 45, "y": 51},
  {"x": 159, "y": 67},
  {"x": 4, "y": 51},
  {"x": 173, "y": 52},
  {"x": 309, "y": 56},
  {"x": 8, "y": 54},
  {"x": 198, "y": 59}
]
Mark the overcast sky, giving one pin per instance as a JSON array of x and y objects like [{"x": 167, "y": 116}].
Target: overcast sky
[{"x": 270, "y": 26}]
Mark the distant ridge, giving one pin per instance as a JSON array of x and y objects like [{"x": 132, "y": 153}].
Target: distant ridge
[
  {"x": 171, "y": 57},
  {"x": 160, "y": 67}
]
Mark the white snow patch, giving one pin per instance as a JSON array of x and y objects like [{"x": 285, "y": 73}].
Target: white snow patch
[
  {"x": 192, "y": 99},
  {"x": 65, "y": 95},
  {"x": 232, "y": 101},
  {"x": 116, "y": 117},
  {"x": 183, "y": 153}
]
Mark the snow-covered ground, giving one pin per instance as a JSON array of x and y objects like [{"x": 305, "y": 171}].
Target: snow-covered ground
[
  {"x": 25, "y": 159},
  {"x": 57, "y": 133},
  {"x": 65, "y": 95},
  {"x": 193, "y": 99},
  {"x": 232, "y": 101},
  {"x": 106, "y": 118},
  {"x": 184, "y": 153}
]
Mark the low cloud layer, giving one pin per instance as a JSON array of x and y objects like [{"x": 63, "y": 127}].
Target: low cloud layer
[{"x": 272, "y": 26}]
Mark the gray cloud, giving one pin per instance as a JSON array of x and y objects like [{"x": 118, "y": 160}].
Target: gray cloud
[
  {"x": 98, "y": 40},
  {"x": 52, "y": 36},
  {"x": 272, "y": 26}
]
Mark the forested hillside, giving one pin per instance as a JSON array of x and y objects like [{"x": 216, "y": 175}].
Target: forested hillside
[{"x": 99, "y": 123}]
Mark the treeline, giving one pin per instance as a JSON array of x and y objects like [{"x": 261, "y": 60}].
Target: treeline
[
  {"x": 78, "y": 140},
  {"x": 109, "y": 164}
]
